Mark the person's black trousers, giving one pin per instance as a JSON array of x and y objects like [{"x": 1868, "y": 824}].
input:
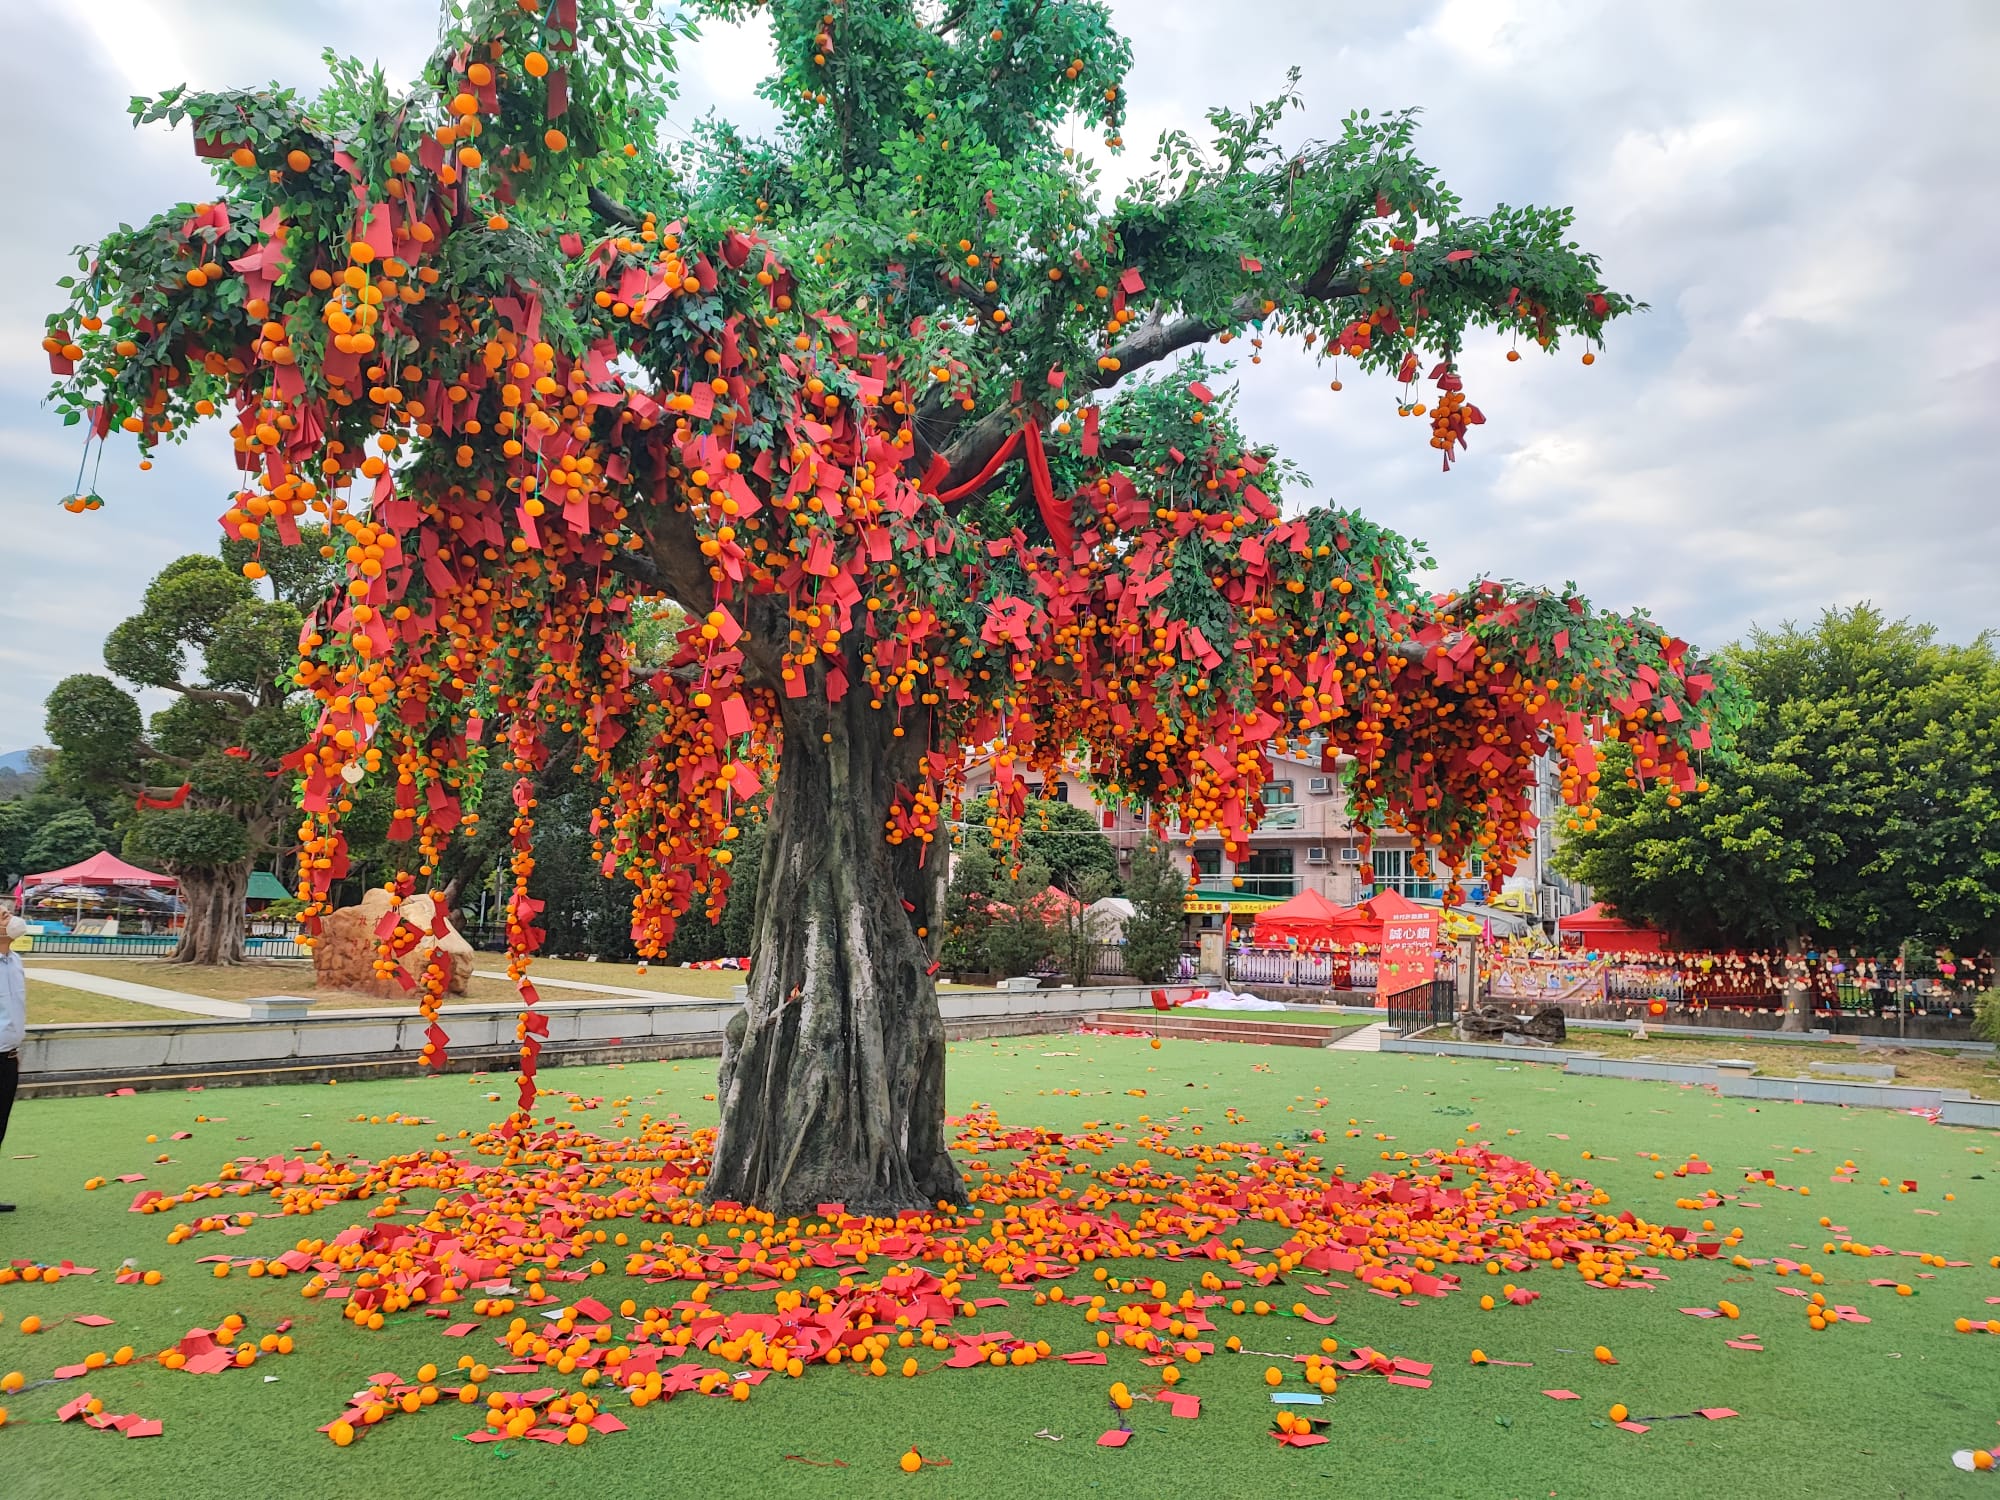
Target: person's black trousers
[{"x": 10, "y": 1079}]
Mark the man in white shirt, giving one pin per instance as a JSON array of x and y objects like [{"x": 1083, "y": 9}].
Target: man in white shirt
[{"x": 13, "y": 1020}]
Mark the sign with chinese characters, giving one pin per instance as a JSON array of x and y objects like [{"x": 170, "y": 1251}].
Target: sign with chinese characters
[{"x": 1409, "y": 954}]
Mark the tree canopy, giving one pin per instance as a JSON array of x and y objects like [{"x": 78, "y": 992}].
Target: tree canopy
[
  {"x": 1059, "y": 836},
  {"x": 884, "y": 403},
  {"x": 207, "y": 774},
  {"x": 1859, "y": 808}
]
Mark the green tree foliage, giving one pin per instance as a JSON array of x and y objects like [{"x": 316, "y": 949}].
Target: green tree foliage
[
  {"x": 46, "y": 830},
  {"x": 1059, "y": 836},
  {"x": 207, "y": 636},
  {"x": 1080, "y": 931},
  {"x": 1859, "y": 808},
  {"x": 1022, "y": 930},
  {"x": 66, "y": 838},
  {"x": 968, "y": 909},
  {"x": 1158, "y": 893}
]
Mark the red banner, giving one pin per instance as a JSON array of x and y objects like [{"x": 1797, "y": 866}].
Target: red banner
[{"x": 1409, "y": 954}]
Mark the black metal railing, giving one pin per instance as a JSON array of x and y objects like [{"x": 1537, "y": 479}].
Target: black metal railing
[{"x": 1432, "y": 1003}]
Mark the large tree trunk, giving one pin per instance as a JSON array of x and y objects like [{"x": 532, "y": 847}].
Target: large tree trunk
[
  {"x": 1797, "y": 988},
  {"x": 213, "y": 931},
  {"x": 832, "y": 1078}
]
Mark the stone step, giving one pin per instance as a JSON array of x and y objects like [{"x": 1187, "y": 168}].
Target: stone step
[{"x": 1367, "y": 1039}]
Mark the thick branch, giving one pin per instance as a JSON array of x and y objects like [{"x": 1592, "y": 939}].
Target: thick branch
[
  {"x": 243, "y": 701},
  {"x": 610, "y": 208},
  {"x": 1157, "y": 339}
]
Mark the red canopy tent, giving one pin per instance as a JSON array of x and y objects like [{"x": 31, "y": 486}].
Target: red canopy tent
[
  {"x": 1363, "y": 923},
  {"x": 104, "y": 868},
  {"x": 1307, "y": 918},
  {"x": 1596, "y": 929}
]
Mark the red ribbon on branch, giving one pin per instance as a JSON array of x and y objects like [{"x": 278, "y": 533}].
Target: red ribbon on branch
[{"x": 1055, "y": 516}]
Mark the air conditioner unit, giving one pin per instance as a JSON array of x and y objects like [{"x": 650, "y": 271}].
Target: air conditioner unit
[
  {"x": 1349, "y": 855},
  {"x": 1316, "y": 855},
  {"x": 1322, "y": 784}
]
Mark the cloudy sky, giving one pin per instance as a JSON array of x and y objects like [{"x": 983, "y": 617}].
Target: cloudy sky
[{"x": 1803, "y": 192}]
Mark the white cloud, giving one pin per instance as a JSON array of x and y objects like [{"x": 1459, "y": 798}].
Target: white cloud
[{"x": 1800, "y": 192}]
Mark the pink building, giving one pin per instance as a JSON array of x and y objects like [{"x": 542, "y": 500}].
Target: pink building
[{"x": 1305, "y": 842}]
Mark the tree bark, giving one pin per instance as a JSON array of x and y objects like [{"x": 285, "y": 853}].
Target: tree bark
[
  {"x": 1797, "y": 988},
  {"x": 832, "y": 1077},
  {"x": 212, "y": 932}
]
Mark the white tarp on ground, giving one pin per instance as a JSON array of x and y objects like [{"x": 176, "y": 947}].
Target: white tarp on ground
[{"x": 1237, "y": 1000}]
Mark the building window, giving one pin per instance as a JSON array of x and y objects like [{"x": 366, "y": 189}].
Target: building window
[
  {"x": 1268, "y": 872},
  {"x": 1059, "y": 792},
  {"x": 1208, "y": 861},
  {"x": 1393, "y": 873},
  {"x": 1278, "y": 794}
]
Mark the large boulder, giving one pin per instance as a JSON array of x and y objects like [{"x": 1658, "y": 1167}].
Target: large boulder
[
  {"x": 344, "y": 957},
  {"x": 1489, "y": 1023}
]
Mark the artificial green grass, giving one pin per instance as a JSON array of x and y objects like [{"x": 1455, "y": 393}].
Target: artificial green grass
[{"x": 1856, "y": 1410}]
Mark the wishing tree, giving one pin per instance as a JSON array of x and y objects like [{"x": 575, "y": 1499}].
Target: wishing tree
[{"x": 916, "y": 435}]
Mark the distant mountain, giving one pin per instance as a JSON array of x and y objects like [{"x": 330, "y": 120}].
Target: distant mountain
[{"x": 15, "y": 761}]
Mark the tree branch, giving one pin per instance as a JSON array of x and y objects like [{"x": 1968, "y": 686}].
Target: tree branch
[
  {"x": 243, "y": 701},
  {"x": 1156, "y": 339},
  {"x": 610, "y": 208}
]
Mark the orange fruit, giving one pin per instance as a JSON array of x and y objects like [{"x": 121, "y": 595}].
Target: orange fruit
[{"x": 911, "y": 1461}]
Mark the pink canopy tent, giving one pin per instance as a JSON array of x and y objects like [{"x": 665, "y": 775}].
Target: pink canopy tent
[
  {"x": 104, "y": 868},
  {"x": 1306, "y": 918},
  {"x": 1596, "y": 929}
]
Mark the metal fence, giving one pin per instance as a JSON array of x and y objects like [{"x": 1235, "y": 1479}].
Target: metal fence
[
  {"x": 1857, "y": 989},
  {"x": 156, "y": 945},
  {"x": 1434, "y": 1003}
]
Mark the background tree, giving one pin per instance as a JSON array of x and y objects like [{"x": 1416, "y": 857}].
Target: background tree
[
  {"x": 64, "y": 839},
  {"x": 46, "y": 830},
  {"x": 1858, "y": 809},
  {"x": 1020, "y": 932},
  {"x": 1079, "y": 931},
  {"x": 968, "y": 909},
  {"x": 905, "y": 451},
  {"x": 1060, "y": 836},
  {"x": 226, "y": 654},
  {"x": 1158, "y": 892}
]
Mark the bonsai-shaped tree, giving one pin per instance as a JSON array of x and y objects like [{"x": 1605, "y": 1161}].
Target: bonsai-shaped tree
[
  {"x": 208, "y": 772},
  {"x": 919, "y": 431}
]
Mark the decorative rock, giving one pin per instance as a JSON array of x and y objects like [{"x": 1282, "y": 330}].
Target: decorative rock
[
  {"x": 344, "y": 956},
  {"x": 1488, "y": 1023}
]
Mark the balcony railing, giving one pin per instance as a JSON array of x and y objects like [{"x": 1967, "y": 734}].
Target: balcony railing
[{"x": 1268, "y": 887}]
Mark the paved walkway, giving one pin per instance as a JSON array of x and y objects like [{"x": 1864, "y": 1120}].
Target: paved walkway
[
  {"x": 1367, "y": 1039},
  {"x": 141, "y": 994}
]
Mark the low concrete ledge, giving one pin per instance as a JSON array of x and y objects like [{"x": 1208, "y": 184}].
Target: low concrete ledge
[
  {"x": 385, "y": 1042},
  {"x": 1496, "y": 1051},
  {"x": 1981, "y": 1113},
  {"x": 1830, "y": 1091},
  {"x": 1954, "y": 1107},
  {"x": 1880, "y": 1072},
  {"x": 1653, "y": 1072}
]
